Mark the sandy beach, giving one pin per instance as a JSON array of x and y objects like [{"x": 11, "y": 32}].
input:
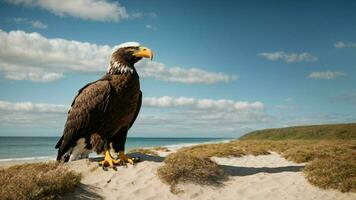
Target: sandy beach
[{"x": 250, "y": 177}]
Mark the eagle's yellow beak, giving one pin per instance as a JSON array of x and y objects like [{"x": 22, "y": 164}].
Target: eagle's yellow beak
[{"x": 144, "y": 52}]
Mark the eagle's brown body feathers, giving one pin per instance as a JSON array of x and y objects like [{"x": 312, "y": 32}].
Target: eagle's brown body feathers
[
  {"x": 102, "y": 113},
  {"x": 107, "y": 108}
]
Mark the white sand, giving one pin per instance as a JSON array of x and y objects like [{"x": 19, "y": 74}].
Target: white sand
[{"x": 251, "y": 177}]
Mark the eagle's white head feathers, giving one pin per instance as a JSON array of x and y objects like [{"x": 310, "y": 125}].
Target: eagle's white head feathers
[
  {"x": 126, "y": 44},
  {"x": 116, "y": 65}
]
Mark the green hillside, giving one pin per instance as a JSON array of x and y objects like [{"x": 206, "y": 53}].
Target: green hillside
[{"x": 314, "y": 132}]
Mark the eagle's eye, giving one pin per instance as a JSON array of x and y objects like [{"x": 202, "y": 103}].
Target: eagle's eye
[{"x": 131, "y": 51}]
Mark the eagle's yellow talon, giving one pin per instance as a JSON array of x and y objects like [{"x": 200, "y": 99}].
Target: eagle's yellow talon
[
  {"x": 124, "y": 159},
  {"x": 108, "y": 160},
  {"x": 130, "y": 161}
]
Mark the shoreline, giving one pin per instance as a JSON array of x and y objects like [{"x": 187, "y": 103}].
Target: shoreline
[{"x": 13, "y": 161}]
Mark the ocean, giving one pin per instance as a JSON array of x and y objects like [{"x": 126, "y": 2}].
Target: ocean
[{"x": 39, "y": 148}]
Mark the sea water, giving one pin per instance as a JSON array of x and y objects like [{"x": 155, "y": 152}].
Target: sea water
[{"x": 33, "y": 148}]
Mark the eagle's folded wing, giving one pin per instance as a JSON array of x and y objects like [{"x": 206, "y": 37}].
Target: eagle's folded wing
[{"x": 88, "y": 108}]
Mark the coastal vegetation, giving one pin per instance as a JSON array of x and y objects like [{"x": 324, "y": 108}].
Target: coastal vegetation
[
  {"x": 48, "y": 180},
  {"x": 146, "y": 151},
  {"x": 313, "y": 132},
  {"x": 150, "y": 151},
  {"x": 185, "y": 167},
  {"x": 330, "y": 162},
  {"x": 330, "y": 158}
]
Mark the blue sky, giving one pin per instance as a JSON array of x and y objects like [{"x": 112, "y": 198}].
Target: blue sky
[{"x": 220, "y": 69}]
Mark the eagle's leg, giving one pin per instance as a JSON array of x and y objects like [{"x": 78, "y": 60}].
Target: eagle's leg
[
  {"x": 108, "y": 160},
  {"x": 119, "y": 146}
]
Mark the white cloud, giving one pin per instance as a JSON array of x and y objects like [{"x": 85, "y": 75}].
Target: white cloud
[
  {"x": 19, "y": 72},
  {"x": 33, "y": 23},
  {"x": 202, "y": 104},
  {"x": 166, "y": 114},
  {"x": 38, "y": 24},
  {"x": 160, "y": 71},
  {"x": 152, "y": 15},
  {"x": 158, "y": 102},
  {"x": 28, "y": 116},
  {"x": 289, "y": 57},
  {"x": 136, "y": 14},
  {"x": 340, "y": 45},
  {"x": 96, "y": 10},
  {"x": 189, "y": 116},
  {"x": 31, "y": 107},
  {"x": 327, "y": 75},
  {"x": 151, "y": 27},
  {"x": 185, "y": 116},
  {"x": 30, "y": 56},
  {"x": 182, "y": 116}
]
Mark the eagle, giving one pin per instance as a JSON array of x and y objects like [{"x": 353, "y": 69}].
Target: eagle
[{"x": 104, "y": 110}]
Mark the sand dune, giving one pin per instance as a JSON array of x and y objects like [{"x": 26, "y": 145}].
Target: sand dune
[{"x": 251, "y": 177}]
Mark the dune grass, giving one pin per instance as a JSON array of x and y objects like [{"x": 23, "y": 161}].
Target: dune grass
[
  {"x": 334, "y": 172},
  {"x": 209, "y": 150},
  {"x": 331, "y": 163},
  {"x": 185, "y": 167},
  {"x": 37, "y": 181},
  {"x": 144, "y": 151},
  {"x": 150, "y": 151},
  {"x": 163, "y": 149}
]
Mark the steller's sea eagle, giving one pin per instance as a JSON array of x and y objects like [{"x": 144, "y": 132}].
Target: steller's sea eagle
[{"x": 104, "y": 110}]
